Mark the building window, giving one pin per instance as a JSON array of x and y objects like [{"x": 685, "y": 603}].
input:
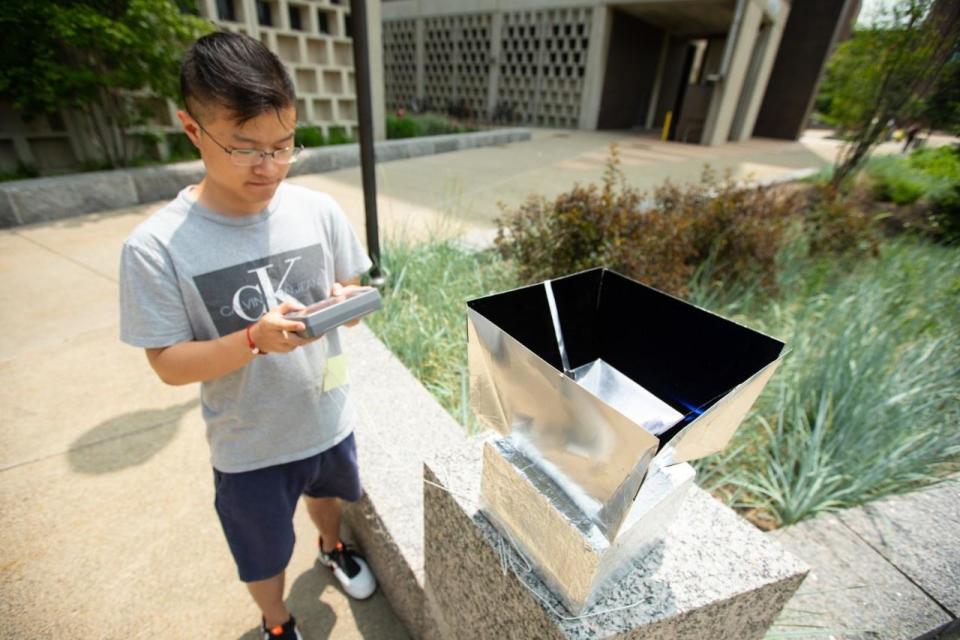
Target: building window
[
  {"x": 322, "y": 22},
  {"x": 348, "y": 25},
  {"x": 263, "y": 14},
  {"x": 295, "y": 21},
  {"x": 226, "y": 10}
]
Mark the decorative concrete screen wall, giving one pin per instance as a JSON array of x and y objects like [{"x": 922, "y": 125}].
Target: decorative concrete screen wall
[
  {"x": 456, "y": 62},
  {"x": 544, "y": 59},
  {"x": 400, "y": 62},
  {"x": 514, "y": 66}
]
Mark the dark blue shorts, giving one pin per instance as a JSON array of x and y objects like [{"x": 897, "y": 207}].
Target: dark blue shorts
[{"x": 256, "y": 507}]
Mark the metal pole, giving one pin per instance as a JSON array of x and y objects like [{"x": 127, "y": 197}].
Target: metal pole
[{"x": 361, "y": 62}]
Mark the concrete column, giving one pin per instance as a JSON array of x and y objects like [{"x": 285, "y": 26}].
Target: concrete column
[
  {"x": 208, "y": 9},
  {"x": 726, "y": 93},
  {"x": 420, "y": 58},
  {"x": 756, "y": 87},
  {"x": 284, "y": 15},
  {"x": 496, "y": 41},
  {"x": 596, "y": 64},
  {"x": 248, "y": 10},
  {"x": 377, "y": 90},
  {"x": 23, "y": 151},
  {"x": 655, "y": 94}
]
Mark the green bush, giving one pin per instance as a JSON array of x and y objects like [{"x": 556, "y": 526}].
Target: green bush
[
  {"x": 338, "y": 135},
  {"x": 925, "y": 173},
  {"x": 400, "y": 127},
  {"x": 181, "y": 148},
  {"x": 426, "y": 124},
  {"x": 944, "y": 219},
  {"x": 432, "y": 124},
  {"x": 937, "y": 162},
  {"x": 308, "y": 137},
  {"x": 834, "y": 224},
  {"x": 662, "y": 240},
  {"x": 22, "y": 172}
]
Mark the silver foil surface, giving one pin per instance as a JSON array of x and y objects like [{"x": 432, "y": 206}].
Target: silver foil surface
[{"x": 592, "y": 375}]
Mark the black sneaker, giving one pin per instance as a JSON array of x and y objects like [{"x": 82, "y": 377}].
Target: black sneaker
[
  {"x": 286, "y": 631},
  {"x": 350, "y": 569}
]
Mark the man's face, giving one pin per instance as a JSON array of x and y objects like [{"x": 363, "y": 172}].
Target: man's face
[{"x": 266, "y": 132}]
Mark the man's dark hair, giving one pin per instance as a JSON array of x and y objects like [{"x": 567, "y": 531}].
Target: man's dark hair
[{"x": 236, "y": 72}]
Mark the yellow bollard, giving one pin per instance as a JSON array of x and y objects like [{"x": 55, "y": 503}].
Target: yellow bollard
[{"x": 666, "y": 125}]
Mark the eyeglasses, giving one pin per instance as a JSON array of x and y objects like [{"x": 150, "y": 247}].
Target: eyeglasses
[{"x": 253, "y": 157}]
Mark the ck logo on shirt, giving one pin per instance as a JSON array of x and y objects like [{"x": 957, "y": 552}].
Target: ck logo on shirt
[{"x": 240, "y": 294}]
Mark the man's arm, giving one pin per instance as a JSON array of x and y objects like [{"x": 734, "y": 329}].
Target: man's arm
[{"x": 200, "y": 360}]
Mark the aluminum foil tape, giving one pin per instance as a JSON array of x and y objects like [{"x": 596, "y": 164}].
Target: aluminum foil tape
[
  {"x": 566, "y": 549},
  {"x": 593, "y": 375}
]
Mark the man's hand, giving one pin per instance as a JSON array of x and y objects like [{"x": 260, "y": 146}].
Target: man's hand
[
  {"x": 341, "y": 291},
  {"x": 275, "y": 334}
]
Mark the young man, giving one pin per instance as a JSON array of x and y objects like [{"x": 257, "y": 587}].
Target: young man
[{"x": 205, "y": 283}]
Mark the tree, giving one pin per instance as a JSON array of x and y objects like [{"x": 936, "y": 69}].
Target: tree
[
  {"x": 884, "y": 72},
  {"x": 943, "y": 107},
  {"x": 95, "y": 58}
]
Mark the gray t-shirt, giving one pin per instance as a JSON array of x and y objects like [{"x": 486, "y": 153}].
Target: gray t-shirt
[{"x": 189, "y": 273}]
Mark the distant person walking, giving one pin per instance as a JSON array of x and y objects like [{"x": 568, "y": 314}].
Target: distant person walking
[{"x": 912, "y": 131}]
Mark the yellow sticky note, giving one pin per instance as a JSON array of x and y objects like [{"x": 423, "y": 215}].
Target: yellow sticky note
[{"x": 335, "y": 373}]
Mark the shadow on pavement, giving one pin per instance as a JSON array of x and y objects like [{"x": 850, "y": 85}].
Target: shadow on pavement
[
  {"x": 315, "y": 618},
  {"x": 373, "y": 617},
  {"x": 127, "y": 440}
]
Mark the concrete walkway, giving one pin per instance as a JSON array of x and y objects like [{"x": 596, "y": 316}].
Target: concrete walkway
[
  {"x": 460, "y": 191},
  {"x": 105, "y": 485},
  {"x": 888, "y": 570}
]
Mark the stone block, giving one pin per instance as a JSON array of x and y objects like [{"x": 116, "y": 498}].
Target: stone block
[
  {"x": 445, "y": 145},
  {"x": 399, "y": 425},
  {"x": 313, "y": 160},
  {"x": 43, "y": 199},
  {"x": 417, "y": 147},
  {"x": 713, "y": 576},
  {"x": 165, "y": 182},
  {"x": 344, "y": 156},
  {"x": 448, "y": 573},
  {"x": 390, "y": 150}
]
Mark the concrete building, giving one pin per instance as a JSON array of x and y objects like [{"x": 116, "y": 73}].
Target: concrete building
[
  {"x": 700, "y": 67},
  {"x": 311, "y": 37}
]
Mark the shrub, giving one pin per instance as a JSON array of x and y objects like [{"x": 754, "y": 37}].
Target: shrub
[
  {"x": 180, "y": 148},
  {"x": 433, "y": 124},
  {"x": 22, "y": 172},
  {"x": 427, "y": 124},
  {"x": 925, "y": 173},
  {"x": 400, "y": 127},
  {"x": 944, "y": 219},
  {"x": 338, "y": 135},
  {"x": 938, "y": 162},
  {"x": 836, "y": 224},
  {"x": 308, "y": 137},
  {"x": 661, "y": 240}
]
